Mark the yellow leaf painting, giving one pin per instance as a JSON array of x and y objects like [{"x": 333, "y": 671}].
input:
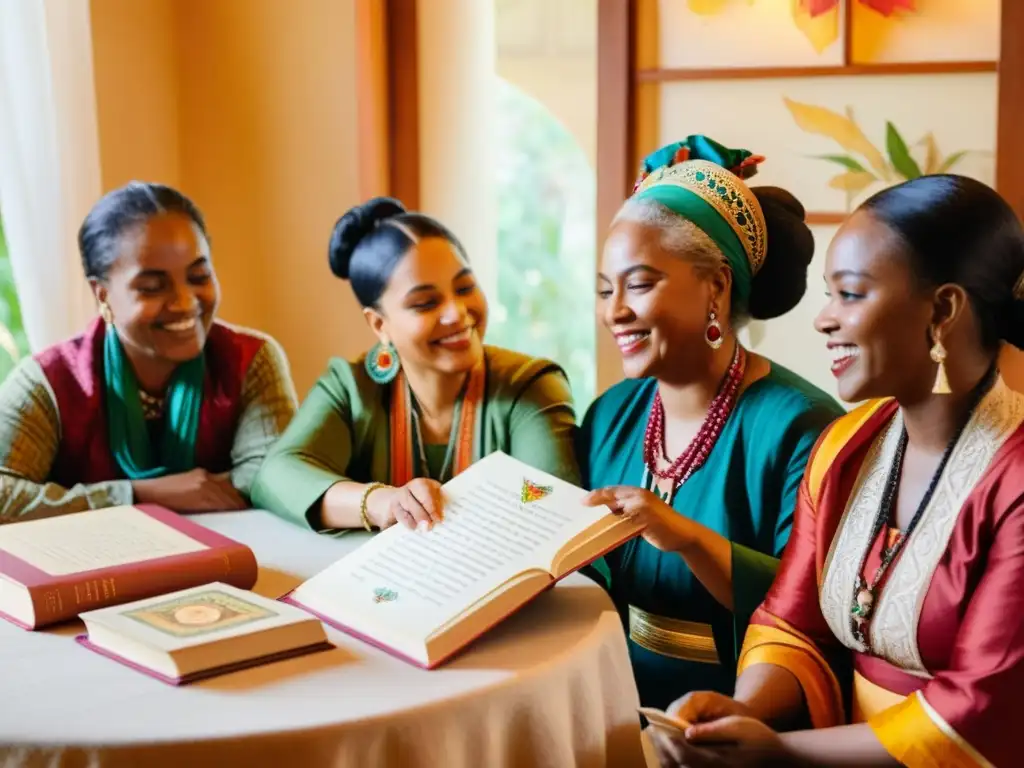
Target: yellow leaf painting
[
  {"x": 841, "y": 129},
  {"x": 707, "y": 7},
  {"x": 932, "y": 159},
  {"x": 822, "y": 30},
  {"x": 853, "y": 182}
]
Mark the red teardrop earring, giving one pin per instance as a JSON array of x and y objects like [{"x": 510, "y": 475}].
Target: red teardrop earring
[{"x": 713, "y": 332}]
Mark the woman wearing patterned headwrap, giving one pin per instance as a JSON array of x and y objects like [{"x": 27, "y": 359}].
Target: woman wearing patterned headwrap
[{"x": 704, "y": 441}]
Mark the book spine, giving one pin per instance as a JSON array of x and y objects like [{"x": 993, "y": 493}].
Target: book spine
[{"x": 66, "y": 598}]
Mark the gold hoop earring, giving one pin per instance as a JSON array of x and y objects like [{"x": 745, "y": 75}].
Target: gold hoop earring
[
  {"x": 938, "y": 355},
  {"x": 106, "y": 314}
]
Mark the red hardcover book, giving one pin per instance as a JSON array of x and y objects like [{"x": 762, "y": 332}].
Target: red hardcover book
[{"x": 55, "y": 568}]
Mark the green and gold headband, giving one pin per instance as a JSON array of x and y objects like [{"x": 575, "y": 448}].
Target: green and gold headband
[{"x": 702, "y": 181}]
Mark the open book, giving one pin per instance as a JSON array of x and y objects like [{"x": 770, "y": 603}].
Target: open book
[
  {"x": 201, "y": 632},
  {"x": 54, "y": 568},
  {"x": 509, "y": 533}
]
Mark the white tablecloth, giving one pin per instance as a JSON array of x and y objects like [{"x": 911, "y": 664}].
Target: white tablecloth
[{"x": 551, "y": 686}]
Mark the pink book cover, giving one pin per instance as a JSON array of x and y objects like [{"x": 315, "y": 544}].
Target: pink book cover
[
  {"x": 205, "y": 674},
  {"x": 59, "y": 598},
  {"x": 438, "y": 662}
]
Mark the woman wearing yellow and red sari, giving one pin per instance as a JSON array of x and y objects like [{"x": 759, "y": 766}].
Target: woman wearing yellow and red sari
[{"x": 895, "y": 626}]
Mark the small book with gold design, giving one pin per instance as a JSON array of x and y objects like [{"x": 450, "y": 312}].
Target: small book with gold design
[
  {"x": 201, "y": 632},
  {"x": 509, "y": 533}
]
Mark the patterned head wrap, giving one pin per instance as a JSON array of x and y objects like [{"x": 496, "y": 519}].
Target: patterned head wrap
[{"x": 702, "y": 181}]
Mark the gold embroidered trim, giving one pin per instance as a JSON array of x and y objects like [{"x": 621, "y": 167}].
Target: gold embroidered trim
[
  {"x": 1018, "y": 289},
  {"x": 728, "y": 195},
  {"x": 678, "y": 639}
]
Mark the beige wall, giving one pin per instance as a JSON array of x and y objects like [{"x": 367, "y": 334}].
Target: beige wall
[
  {"x": 248, "y": 106},
  {"x": 135, "y": 66}
]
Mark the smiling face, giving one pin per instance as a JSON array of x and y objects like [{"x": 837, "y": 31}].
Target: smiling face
[
  {"x": 879, "y": 316},
  {"x": 656, "y": 303},
  {"x": 161, "y": 289},
  {"x": 432, "y": 310}
]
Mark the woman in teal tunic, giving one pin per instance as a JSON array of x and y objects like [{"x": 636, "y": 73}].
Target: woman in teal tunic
[{"x": 704, "y": 441}]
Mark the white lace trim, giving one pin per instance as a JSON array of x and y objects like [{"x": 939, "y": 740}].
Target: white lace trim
[{"x": 894, "y": 625}]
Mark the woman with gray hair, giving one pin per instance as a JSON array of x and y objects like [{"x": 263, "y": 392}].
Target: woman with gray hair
[{"x": 705, "y": 442}]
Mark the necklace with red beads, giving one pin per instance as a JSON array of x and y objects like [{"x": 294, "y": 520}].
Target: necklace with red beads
[{"x": 697, "y": 452}]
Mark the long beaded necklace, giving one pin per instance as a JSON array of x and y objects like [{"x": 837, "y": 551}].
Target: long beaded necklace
[
  {"x": 864, "y": 593},
  {"x": 697, "y": 452}
]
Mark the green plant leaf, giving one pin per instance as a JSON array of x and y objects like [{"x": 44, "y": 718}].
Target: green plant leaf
[
  {"x": 899, "y": 155},
  {"x": 952, "y": 160},
  {"x": 844, "y": 160}
]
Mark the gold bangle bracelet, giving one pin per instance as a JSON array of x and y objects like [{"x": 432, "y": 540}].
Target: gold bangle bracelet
[{"x": 362, "y": 503}]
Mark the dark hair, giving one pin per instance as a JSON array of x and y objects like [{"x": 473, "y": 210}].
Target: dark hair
[
  {"x": 120, "y": 210},
  {"x": 782, "y": 280},
  {"x": 958, "y": 230},
  {"x": 370, "y": 239}
]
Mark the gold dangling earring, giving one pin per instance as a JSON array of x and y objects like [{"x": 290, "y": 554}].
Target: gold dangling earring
[
  {"x": 106, "y": 314},
  {"x": 938, "y": 355}
]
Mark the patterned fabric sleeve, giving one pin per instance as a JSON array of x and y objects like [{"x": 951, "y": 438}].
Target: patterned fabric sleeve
[
  {"x": 29, "y": 437},
  {"x": 268, "y": 405}
]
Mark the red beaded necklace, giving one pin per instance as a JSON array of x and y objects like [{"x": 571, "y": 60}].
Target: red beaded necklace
[{"x": 697, "y": 452}]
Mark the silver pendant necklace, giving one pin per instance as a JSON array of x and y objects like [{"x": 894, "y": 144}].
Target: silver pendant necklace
[{"x": 452, "y": 439}]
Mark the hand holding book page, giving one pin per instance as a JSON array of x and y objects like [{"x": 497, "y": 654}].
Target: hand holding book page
[
  {"x": 509, "y": 532},
  {"x": 663, "y": 720}
]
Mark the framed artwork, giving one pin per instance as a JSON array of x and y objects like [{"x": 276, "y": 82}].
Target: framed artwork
[
  {"x": 757, "y": 36},
  {"x": 843, "y": 98}
]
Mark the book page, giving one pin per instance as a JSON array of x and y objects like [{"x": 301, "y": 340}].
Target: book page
[
  {"x": 501, "y": 518},
  {"x": 99, "y": 538},
  {"x": 662, "y": 719}
]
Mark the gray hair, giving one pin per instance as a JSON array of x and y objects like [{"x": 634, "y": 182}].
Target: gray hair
[{"x": 680, "y": 237}]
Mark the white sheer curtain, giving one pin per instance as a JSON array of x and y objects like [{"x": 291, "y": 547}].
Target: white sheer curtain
[{"x": 49, "y": 159}]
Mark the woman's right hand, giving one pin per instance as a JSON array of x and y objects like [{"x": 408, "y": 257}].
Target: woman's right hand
[
  {"x": 706, "y": 706},
  {"x": 694, "y": 708},
  {"x": 194, "y": 491},
  {"x": 416, "y": 503}
]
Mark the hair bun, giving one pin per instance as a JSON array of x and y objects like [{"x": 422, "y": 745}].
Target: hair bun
[
  {"x": 1014, "y": 333},
  {"x": 782, "y": 279},
  {"x": 353, "y": 226}
]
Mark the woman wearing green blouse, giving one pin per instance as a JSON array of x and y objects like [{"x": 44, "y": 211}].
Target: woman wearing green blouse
[{"x": 376, "y": 437}]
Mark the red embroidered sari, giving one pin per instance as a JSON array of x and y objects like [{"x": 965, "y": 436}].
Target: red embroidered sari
[{"x": 944, "y": 680}]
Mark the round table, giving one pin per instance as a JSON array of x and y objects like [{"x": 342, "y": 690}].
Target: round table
[{"x": 551, "y": 686}]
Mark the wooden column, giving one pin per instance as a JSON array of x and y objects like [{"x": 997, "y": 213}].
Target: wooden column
[
  {"x": 373, "y": 98},
  {"x": 404, "y": 109},
  {"x": 615, "y": 146},
  {"x": 1009, "y": 159},
  {"x": 387, "y": 100}
]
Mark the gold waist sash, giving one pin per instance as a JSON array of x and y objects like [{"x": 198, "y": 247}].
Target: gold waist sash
[{"x": 686, "y": 640}]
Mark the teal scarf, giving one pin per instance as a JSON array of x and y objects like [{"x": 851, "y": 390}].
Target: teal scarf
[
  {"x": 129, "y": 435},
  {"x": 719, "y": 203}
]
